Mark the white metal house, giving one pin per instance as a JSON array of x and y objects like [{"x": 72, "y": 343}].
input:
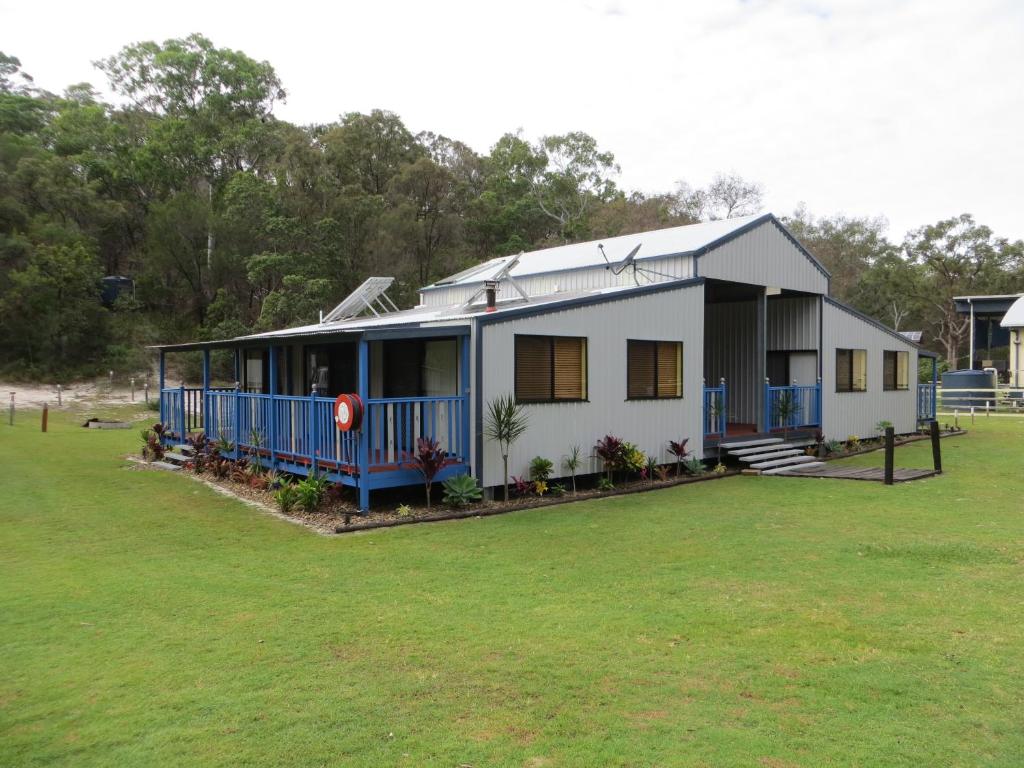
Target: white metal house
[{"x": 696, "y": 331}]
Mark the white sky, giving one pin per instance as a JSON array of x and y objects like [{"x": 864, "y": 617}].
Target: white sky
[{"x": 911, "y": 109}]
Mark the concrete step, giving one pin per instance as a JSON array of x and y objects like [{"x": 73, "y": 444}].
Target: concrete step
[
  {"x": 772, "y": 455},
  {"x": 761, "y": 449},
  {"x": 784, "y": 470},
  {"x": 176, "y": 458},
  {"x": 165, "y": 466},
  {"x": 750, "y": 443},
  {"x": 183, "y": 447},
  {"x": 791, "y": 461}
]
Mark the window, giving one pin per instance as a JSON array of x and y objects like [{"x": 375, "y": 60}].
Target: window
[
  {"x": 851, "y": 370},
  {"x": 551, "y": 368},
  {"x": 654, "y": 369},
  {"x": 895, "y": 370}
]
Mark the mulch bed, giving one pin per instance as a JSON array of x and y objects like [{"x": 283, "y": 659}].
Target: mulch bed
[{"x": 338, "y": 516}]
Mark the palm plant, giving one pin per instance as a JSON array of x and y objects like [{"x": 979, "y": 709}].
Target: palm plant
[
  {"x": 429, "y": 460},
  {"x": 786, "y": 407},
  {"x": 506, "y": 423},
  {"x": 679, "y": 451},
  {"x": 572, "y": 463}
]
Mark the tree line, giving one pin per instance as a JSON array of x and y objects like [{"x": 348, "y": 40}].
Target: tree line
[{"x": 230, "y": 220}]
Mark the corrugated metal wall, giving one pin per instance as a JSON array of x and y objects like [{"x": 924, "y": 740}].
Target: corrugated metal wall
[
  {"x": 857, "y": 413},
  {"x": 731, "y": 352},
  {"x": 764, "y": 256},
  {"x": 573, "y": 281},
  {"x": 792, "y": 323},
  {"x": 675, "y": 315}
]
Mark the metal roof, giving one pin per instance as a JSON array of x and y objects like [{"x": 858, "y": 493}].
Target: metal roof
[
  {"x": 995, "y": 304},
  {"x": 655, "y": 244},
  {"x": 1014, "y": 317}
]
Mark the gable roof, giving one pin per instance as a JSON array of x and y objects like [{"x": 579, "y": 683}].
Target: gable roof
[
  {"x": 690, "y": 239},
  {"x": 880, "y": 326}
]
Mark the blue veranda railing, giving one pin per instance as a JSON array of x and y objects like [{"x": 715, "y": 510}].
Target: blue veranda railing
[{"x": 792, "y": 407}]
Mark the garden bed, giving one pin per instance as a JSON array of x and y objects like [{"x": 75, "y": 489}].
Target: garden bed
[
  {"x": 872, "y": 445},
  {"x": 340, "y": 515}
]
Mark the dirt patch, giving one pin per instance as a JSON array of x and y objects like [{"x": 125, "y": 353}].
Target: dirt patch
[{"x": 76, "y": 396}]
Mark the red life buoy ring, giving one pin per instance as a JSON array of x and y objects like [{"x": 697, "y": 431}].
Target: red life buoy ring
[{"x": 348, "y": 412}]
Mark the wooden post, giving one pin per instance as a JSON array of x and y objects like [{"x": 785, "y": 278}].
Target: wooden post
[
  {"x": 132, "y": 384},
  {"x": 60, "y": 399},
  {"x": 936, "y": 448},
  {"x": 46, "y": 414},
  {"x": 145, "y": 389},
  {"x": 890, "y": 444}
]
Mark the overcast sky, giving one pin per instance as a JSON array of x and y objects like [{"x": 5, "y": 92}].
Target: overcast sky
[{"x": 913, "y": 110}]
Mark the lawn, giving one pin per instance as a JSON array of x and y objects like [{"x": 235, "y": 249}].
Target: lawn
[{"x": 744, "y": 622}]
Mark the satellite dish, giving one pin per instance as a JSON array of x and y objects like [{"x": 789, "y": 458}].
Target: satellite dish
[{"x": 617, "y": 269}]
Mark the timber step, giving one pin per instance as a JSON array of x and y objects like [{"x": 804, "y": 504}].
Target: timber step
[
  {"x": 165, "y": 466},
  {"x": 750, "y": 443},
  {"x": 794, "y": 469},
  {"x": 791, "y": 461},
  {"x": 738, "y": 452},
  {"x": 772, "y": 455}
]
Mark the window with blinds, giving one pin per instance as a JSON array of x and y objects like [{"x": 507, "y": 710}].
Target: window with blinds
[
  {"x": 851, "y": 370},
  {"x": 895, "y": 370},
  {"x": 654, "y": 369},
  {"x": 550, "y": 368}
]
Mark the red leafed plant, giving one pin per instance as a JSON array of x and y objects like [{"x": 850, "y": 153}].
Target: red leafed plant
[
  {"x": 679, "y": 451},
  {"x": 429, "y": 460},
  {"x": 610, "y": 450}
]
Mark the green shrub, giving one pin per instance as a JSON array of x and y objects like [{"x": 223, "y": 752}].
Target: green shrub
[
  {"x": 404, "y": 510},
  {"x": 461, "y": 490},
  {"x": 540, "y": 469},
  {"x": 311, "y": 491},
  {"x": 287, "y": 496},
  {"x": 694, "y": 466},
  {"x": 604, "y": 484}
]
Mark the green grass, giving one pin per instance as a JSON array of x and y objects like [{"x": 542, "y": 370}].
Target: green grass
[{"x": 145, "y": 620}]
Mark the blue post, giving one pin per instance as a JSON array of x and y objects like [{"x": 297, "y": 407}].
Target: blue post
[
  {"x": 314, "y": 431},
  {"x": 272, "y": 421},
  {"x": 466, "y": 390},
  {"x": 364, "y": 432},
  {"x": 238, "y": 419},
  {"x": 206, "y": 388},
  {"x": 163, "y": 377},
  {"x": 767, "y": 405},
  {"x": 182, "y": 425},
  {"x": 723, "y": 414}
]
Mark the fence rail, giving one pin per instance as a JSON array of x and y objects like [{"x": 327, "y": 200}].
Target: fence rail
[
  {"x": 992, "y": 399},
  {"x": 792, "y": 407},
  {"x": 715, "y": 410},
  {"x": 301, "y": 430}
]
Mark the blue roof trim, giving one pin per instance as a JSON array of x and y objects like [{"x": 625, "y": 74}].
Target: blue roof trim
[
  {"x": 880, "y": 326},
  {"x": 585, "y": 301}
]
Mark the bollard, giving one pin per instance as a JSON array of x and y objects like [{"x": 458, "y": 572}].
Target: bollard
[
  {"x": 110, "y": 375},
  {"x": 46, "y": 414},
  {"x": 889, "y": 453},
  {"x": 60, "y": 400},
  {"x": 956, "y": 418},
  {"x": 133, "y": 388},
  {"x": 972, "y": 414},
  {"x": 936, "y": 448},
  {"x": 145, "y": 388},
  {"x": 986, "y": 409},
  {"x": 12, "y": 409}
]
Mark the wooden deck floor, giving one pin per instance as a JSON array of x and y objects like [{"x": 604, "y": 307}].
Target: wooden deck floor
[{"x": 876, "y": 474}]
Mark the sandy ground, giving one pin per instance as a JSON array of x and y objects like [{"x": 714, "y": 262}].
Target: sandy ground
[{"x": 73, "y": 396}]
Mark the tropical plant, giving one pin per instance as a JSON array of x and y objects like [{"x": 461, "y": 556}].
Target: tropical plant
[
  {"x": 461, "y": 490},
  {"x": 404, "y": 510},
  {"x": 651, "y": 468},
  {"x": 200, "y": 450},
  {"x": 605, "y": 484},
  {"x": 609, "y": 450},
  {"x": 881, "y": 426},
  {"x": 287, "y": 496},
  {"x": 225, "y": 446},
  {"x": 521, "y": 486},
  {"x": 679, "y": 451},
  {"x": 661, "y": 471},
  {"x": 833, "y": 446},
  {"x": 152, "y": 448},
  {"x": 311, "y": 491},
  {"x": 540, "y": 468},
  {"x": 557, "y": 489},
  {"x": 852, "y": 443},
  {"x": 506, "y": 423},
  {"x": 540, "y": 487},
  {"x": 719, "y": 469},
  {"x": 632, "y": 459},
  {"x": 785, "y": 408},
  {"x": 572, "y": 463},
  {"x": 429, "y": 460},
  {"x": 694, "y": 466}
]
